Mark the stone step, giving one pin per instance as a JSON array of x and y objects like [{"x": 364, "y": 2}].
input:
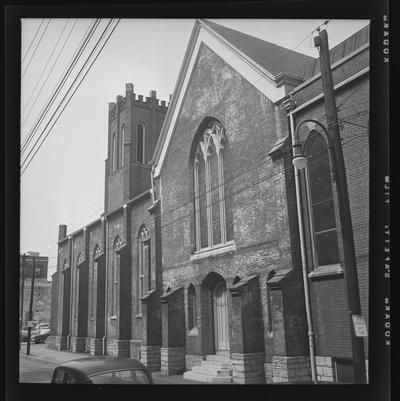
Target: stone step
[
  {"x": 218, "y": 357},
  {"x": 212, "y": 371},
  {"x": 190, "y": 375},
  {"x": 217, "y": 364}
]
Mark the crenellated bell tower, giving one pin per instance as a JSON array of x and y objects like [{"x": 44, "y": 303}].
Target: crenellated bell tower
[{"x": 134, "y": 125}]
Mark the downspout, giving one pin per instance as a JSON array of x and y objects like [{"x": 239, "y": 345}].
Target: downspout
[{"x": 303, "y": 256}]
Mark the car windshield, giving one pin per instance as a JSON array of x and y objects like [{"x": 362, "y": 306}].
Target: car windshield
[{"x": 129, "y": 376}]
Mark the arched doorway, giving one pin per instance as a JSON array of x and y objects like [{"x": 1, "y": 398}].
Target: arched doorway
[
  {"x": 220, "y": 313},
  {"x": 215, "y": 315}
]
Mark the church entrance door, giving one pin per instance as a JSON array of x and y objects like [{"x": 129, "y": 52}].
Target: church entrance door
[{"x": 220, "y": 309}]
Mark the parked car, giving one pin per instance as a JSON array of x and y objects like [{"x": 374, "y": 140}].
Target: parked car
[
  {"x": 39, "y": 338},
  {"x": 24, "y": 338},
  {"x": 102, "y": 370}
]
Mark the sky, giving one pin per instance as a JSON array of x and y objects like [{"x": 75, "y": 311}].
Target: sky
[{"x": 64, "y": 182}]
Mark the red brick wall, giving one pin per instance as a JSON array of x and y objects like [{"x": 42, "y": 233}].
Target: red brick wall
[
  {"x": 260, "y": 221},
  {"x": 329, "y": 299}
]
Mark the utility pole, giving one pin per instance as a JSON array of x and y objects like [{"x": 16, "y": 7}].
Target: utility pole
[
  {"x": 351, "y": 277},
  {"x": 28, "y": 344},
  {"x": 22, "y": 296}
]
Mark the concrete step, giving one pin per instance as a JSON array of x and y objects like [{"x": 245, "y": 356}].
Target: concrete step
[
  {"x": 212, "y": 371},
  {"x": 217, "y": 364},
  {"x": 190, "y": 375},
  {"x": 218, "y": 357}
]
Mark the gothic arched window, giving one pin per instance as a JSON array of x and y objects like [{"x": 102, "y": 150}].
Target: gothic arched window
[
  {"x": 322, "y": 204},
  {"x": 192, "y": 315},
  {"x": 144, "y": 267},
  {"x": 114, "y": 157},
  {"x": 140, "y": 145},
  {"x": 209, "y": 188},
  {"x": 114, "y": 275},
  {"x": 93, "y": 286},
  {"x": 121, "y": 145}
]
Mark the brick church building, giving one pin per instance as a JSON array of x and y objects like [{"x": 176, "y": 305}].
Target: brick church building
[{"x": 196, "y": 264}]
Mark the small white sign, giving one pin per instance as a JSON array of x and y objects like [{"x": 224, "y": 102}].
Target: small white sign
[
  {"x": 30, "y": 323},
  {"x": 360, "y": 328}
]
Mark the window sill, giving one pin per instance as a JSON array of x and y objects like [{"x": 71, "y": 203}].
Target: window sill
[
  {"x": 215, "y": 250},
  {"x": 328, "y": 270}
]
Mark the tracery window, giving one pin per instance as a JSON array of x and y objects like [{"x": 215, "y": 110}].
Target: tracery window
[
  {"x": 140, "y": 145},
  {"x": 114, "y": 275},
  {"x": 322, "y": 203},
  {"x": 209, "y": 188},
  {"x": 144, "y": 267}
]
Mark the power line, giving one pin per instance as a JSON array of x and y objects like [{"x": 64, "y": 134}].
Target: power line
[
  {"x": 34, "y": 51},
  {"x": 71, "y": 95},
  {"x": 66, "y": 94},
  {"x": 51, "y": 70},
  {"x": 37, "y": 31},
  {"x": 44, "y": 69},
  {"x": 64, "y": 76}
]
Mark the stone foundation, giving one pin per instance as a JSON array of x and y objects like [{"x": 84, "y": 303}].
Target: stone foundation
[
  {"x": 325, "y": 369},
  {"x": 135, "y": 348},
  {"x": 294, "y": 369},
  {"x": 78, "y": 344},
  {"x": 269, "y": 373},
  {"x": 95, "y": 346},
  {"x": 151, "y": 357},
  {"x": 118, "y": 348},
  {"x": 248, "y": 368},
  {"x": 51, "y": 342},
  {"x": 172, "y": 361},
  {"x": 193, "y": 360},
  {"x": 61, "y": 343},
  {"x": 87, "y": 345}
]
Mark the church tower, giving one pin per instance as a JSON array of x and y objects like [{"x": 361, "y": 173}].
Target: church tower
[{"x": 134, "y": 125}]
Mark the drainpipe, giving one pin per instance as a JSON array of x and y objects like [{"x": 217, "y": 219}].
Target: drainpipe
[{"x": 295, "y": 145}]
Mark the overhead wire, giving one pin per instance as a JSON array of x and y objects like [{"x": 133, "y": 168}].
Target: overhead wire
[
  {"x": 44, "y": 69},
  {"x": 41, "y": 144},
  {"x": 63, "y": 78},
  {"x": 34, "y": 51},
  {"x": 34, "y": 37}
]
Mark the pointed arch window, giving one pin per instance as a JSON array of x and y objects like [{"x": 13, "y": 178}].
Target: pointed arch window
[
  {"x": 94, "y": 273},
  {"x": 121, "y": 145},
  {"x": 114, "y": 157},
  {"x": 192, "y": 315},
  {"x": 209, "y": 188},
  {"x": 114, "y": 276},
  {"x": 79, "y": 260},
  {"x": 141, "y": 143},
  {"x": 144, "y": 273},
  {"x": 322, "y": 203}
]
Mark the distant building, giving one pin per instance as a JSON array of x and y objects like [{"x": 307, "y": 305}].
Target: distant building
[
  {"x": 196, "y": 261},
  {"x": 42, "y": 287}
]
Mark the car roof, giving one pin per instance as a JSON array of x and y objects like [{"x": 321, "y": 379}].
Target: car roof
[{"x": 88, "y": 366}]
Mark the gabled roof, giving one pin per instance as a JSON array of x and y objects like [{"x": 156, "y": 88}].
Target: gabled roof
[
  {"x": 264, "y": 64},
  {"x": 275, "y": 59}
]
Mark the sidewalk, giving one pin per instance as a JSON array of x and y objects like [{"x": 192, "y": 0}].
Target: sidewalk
[{"x": 41, "y": 354}]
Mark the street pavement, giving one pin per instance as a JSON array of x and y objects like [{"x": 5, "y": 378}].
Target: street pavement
[{"x": 38, "y": 366}]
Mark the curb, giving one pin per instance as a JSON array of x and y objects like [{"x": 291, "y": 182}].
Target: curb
[{"x": 36, "y": 359}]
